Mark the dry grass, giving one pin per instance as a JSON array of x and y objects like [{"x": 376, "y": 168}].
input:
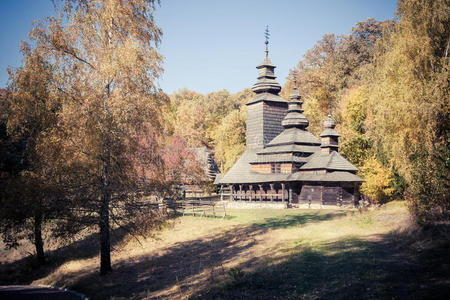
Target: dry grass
[{"x": 230, "y": 258}]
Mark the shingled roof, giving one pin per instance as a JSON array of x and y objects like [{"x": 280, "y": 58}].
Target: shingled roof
[
  {"x": 295, "y": 136},
  {"x": 337, "y": 176},
  {"x": 332, "y": 161},
  {"x": 289, "y": 148},
  {"x": 279, "y": 159},
  {"x": 290, "y": 144},
  {"x": 241, "y": 172},
  {"x": 266, "y": 97},
  {"x": 206, "y": 162}
]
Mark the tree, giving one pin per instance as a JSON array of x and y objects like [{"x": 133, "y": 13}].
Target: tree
[
  {"x": 195, "y": 117},
  {"x": 30, "y": 197},
  {"x": 408, "y": 105},
  {"x": 230, "y": 139},
  {"x": 354, "y": 143},
  {"x": 336, "y": 63},
  {"x": 105, "y": 65}
]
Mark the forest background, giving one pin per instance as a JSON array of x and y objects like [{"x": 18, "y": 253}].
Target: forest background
[
  {"x": 385, "y": 84},
  {"x": 84, "y": 128}
]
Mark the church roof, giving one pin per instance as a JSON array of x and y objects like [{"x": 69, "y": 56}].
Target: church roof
[
  {"x": 266, "y": 97},
  {"x": 303, "y": 147},
  {"x": 329, "y": 124},
  {"x": 337, "y": 176},
  {"x": 266, "y": 77},
  {"x": 289, "y": 148},
  {"x": 206, "y": 161},
  {"x": 295, "y": 117},
  {"x": 241, "y": 172},
  {"x": 279, "y": 159},
  {"x": 295, "y": 136},
  {"x": 332, "y": 161}
]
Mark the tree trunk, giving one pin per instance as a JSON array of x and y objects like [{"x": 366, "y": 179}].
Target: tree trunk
[
  {"x": 105, "y": 241},
  {"x": 38, "y": 243}
]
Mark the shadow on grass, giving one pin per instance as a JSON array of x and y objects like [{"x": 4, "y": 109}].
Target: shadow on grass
[
  {"x": 27, "y": 270},
  {"x": 395, "y": 266},
  {"x": 296, "y": 220},
  {"x": 185, "y": 264},
  {"x": 387, "y": 267}
]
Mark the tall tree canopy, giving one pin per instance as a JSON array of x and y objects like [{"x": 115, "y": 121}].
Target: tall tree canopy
[
  {"x": 408, "y": 103},
  {"x": 105, "y": 64},
  {"x": 31, "y": 196},
  {"x": 215, "y": 120}
]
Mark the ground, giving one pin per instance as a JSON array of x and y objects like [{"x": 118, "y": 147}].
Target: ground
[{"x": 259, "y": 254}]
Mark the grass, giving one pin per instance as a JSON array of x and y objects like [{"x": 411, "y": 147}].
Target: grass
[{"x": 267, "y": 254}]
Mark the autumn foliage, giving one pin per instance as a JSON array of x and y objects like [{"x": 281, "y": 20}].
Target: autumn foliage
[{"x": 85, "y": 132}]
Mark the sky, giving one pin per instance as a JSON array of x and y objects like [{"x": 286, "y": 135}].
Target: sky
[{"x": 210, "y": 45}]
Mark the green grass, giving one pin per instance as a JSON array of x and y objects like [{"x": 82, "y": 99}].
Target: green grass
[
  {"x": 267, "y": 254},
  {"x": 354, "y": 265}
]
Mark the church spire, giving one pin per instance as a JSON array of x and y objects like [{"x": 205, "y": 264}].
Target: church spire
[
  {"x": 329, "y": 136},
  {"x": 266, "y": 76},
  {"x": 295, "y": 117}
]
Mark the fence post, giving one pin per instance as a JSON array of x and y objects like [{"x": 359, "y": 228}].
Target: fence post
[{"x": 271, "y": 192}]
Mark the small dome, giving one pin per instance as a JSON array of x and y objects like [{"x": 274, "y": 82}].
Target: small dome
[
  {"x": 295, "y": 95},
  {"x": 329, "y": 122},
  {"x": 295, "y": 117},
  {"x": 328, "y": 127}
]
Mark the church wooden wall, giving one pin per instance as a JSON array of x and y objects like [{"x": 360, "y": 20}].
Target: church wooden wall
[
  {"x": 267, "y": 168},
  {"x": 329, "y": 194},
  {"x": 262, "y": 168},
  {"x": 254, "y": 125},
  {"x": 274, "y": 113},
  {"x": 340, "y": 194},
  {"x": 264, "y": 122}
]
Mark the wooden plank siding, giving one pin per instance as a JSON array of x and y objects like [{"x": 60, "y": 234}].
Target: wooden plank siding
[
  {"x": 254, "y": 125},
  {"x": 273, "y": 114},
  {"x": 310, "y": 194},
  {"x": 295, "y": 193},
  {"x": 331, "y": 195},
  {"x": 348, "y": 196},
  {"x": 261, "y": 168}
]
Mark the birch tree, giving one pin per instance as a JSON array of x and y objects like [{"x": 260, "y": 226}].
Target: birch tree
[{"x": 106, "y": 66}]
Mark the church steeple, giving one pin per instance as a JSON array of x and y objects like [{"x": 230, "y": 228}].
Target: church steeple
[
  {"x": 329, "y": 136},
  {"x": 295, "y": 117},
  {"x": 266, "y": 109},
  {"x": 266, "y": 75}
]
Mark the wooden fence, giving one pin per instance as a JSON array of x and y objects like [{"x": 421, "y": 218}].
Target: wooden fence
[
  {"x": 196, "y": 206},
  {"x": 204, "y": 208}
]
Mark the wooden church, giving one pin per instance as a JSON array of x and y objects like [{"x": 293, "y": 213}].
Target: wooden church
[{"x": 283, "y": 162}]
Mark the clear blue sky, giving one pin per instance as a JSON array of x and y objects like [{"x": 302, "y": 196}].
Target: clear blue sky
[{"x": 211, "y": 45}]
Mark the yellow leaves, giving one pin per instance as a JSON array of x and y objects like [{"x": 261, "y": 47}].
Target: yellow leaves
[
  {"x": 314, "y": 115},
  {"x": 377, "y": 180},
  {"x": 230, "y": 139}
]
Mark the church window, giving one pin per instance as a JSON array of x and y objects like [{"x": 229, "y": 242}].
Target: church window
[{"x": 276, "y": 168}]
